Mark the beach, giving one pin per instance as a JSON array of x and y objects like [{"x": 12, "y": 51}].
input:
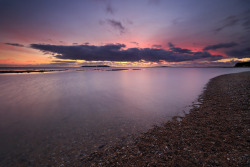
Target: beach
[
  {"x": 214, "y": 133},
  {"x": 124, "y": 83}
]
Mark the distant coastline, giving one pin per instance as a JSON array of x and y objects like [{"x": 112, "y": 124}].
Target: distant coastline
[
  {"x": 97, "y": 66},
  {"x": 28, "y": 71}
]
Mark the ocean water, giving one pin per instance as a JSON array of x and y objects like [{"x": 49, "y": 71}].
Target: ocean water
[{"x": 46, "y": 113}]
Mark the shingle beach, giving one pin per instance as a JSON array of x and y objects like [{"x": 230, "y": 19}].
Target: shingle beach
[{"x": 215, "y": 133}]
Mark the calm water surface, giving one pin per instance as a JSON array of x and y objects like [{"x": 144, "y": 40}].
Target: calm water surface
[{"x": 79, "y": 111}]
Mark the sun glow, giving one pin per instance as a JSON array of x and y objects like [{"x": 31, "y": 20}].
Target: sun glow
[{"x": 233, "y": 59}]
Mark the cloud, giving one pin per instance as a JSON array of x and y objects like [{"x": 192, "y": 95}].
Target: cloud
[
  {"x": 60, "y": 64},
  {"x": 239, "y": 53},
  {"x": 171, "y": 45},
  {"x": 136, "y": 43},
  {"x": 15, "y": 44},
  {"x": 110, "y": 9},
  {"x": 242, "y": 19},
  {"x": 116, "y": 25},
  {"x": 178, "y": 50},
  {"x": 117, "y": 52},
  {"x": 156, "y": 46},
  {"x": 228, "y": 22},
  {"x": 210, "y": 64},
  {"x": 246, "y": 23},
  {"x": 62, "y": 61},
  {"x": 220, "y": 45},
  {"x": 246, "y": 20}
]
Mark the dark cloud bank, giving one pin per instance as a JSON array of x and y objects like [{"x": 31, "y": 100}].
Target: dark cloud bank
[
  {"x": 233, "y": 53},
  {"x": 180, "y": 50},
  {"x": 117, "y": 52},
  {"x": 220, "y": 45},
  {"x": 239, "y": 53}
]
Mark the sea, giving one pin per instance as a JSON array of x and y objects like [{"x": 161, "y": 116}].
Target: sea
[{"x": 80, "y": 110}]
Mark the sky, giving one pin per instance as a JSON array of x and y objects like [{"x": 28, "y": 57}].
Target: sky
[{"x": 191, "y": 33}]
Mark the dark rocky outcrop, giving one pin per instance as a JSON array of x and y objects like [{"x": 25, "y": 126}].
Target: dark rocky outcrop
[{"x": 242, "y": 64}]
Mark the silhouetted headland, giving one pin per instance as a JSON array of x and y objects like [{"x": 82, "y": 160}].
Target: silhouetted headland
[{"x": 243, "y": 64}]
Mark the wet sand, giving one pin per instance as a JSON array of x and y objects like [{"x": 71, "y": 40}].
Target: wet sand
[{"x": 215, "y": 133}]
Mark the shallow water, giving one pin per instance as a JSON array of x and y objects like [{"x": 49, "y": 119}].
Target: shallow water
[{"x": 79, "y": 111}]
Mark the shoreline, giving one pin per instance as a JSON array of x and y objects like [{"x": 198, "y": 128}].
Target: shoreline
[
  {"x": 216, "y": 133},
  {"x": 202, "y": 136},
  {"x": 28, "y": 71}
]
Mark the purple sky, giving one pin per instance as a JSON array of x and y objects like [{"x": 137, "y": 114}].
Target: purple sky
[{"x": 124, "y": 33}]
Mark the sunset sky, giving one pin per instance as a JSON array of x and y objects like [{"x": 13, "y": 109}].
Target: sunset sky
[{"x": 124, "y": 32}]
